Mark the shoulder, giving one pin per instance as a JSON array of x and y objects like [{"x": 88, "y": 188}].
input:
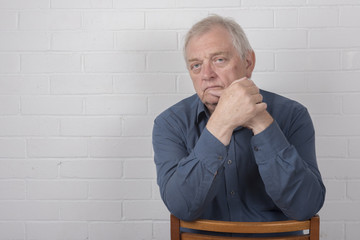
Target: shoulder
[
  {"x": 183, "y": 111},
  {"x": 289, "y": 113}
]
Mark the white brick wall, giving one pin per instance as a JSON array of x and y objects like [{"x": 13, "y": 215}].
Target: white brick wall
[{"x": 82, "y": 80}]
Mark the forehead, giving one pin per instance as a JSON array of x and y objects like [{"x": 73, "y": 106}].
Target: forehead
[{"x": 217, "y": 39}]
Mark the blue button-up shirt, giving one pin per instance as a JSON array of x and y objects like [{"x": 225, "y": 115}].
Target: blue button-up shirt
[{"x": 270, "y": 176}]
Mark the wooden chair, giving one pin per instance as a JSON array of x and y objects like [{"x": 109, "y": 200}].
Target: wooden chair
[{"x": 312, "y": 225}]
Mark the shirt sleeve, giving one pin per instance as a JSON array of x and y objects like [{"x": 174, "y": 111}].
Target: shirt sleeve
[
  {"x": 187, "y": 179},
  {"x": 288, "y": 167}
]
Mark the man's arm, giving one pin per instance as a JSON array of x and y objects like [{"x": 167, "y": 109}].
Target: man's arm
[
  {"x": 289, "y": 169},
  {"x": 187, "y": 180}
]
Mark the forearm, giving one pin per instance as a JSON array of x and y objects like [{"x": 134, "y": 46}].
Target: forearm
[
  {"x": 188, "y": 181},
  {"x": 291, "y": 179}
]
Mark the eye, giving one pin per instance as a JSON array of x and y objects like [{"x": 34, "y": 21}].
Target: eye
[
  {"x": 195, "y": 67},
  {"x": 219, "y": 60}
]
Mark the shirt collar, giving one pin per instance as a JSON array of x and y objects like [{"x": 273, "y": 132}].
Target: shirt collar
[{"x": 201, "y": 111}]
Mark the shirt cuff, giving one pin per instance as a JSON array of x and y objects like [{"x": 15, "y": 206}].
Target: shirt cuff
[
  {"x": 268, "y": 143},
  {"x": 210, "y": 151}
]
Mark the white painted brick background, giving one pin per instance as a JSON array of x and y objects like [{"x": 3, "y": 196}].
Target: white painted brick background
[{"x": 81, "y": 82}]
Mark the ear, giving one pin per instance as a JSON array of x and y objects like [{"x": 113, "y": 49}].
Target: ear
[{"x": 250, "y": 63}]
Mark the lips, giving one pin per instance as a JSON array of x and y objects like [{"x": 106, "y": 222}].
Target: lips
[{"x": 214, "y": 90}]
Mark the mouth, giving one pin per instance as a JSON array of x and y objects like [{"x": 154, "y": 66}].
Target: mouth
[{"x": 214, "y": 90}]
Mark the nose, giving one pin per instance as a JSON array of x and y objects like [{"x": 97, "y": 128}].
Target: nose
[{"x": 207, "y": 71}]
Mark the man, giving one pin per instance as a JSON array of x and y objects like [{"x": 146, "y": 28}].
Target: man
[{"x": 231, "y": 151}]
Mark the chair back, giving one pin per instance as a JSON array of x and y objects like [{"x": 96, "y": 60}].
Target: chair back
[{"x": 310, "y": 226}]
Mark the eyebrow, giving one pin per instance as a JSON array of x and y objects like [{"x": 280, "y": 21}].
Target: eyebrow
[{"x": 213, "y": 54}]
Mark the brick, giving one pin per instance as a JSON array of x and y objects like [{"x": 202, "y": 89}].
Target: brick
[
  {"x": 50, "y": 20},
  {"x": 145, "y": 210},
  {"x": 91, "y": 211},
  {"x": 318, "y": 17},
  {"x": 24, "y": 85},
  {"x": 307, "y": 60},
  {"x": 93, "y": 169},
  {"x": 120, "y": 147},
  {"x": 144, "y": 83},
  {"x": 51, "y": 63},
  {"x": 349, "y": 16},
  {"x": 12, "y": 230},
  {"x": 166, "y": 62},
  {"x": 81, "y": 4},
  {"x": 281, "y": 82},
  {"x": 57, "y": 190},
  {"x": 159, "y": 103},
  {"x": 354, "y": 150},
  {"x": 85, "y": 126},
  {"x": 22, "y": 41},
  {"x": 245, "y": 17},
  {"x": 9, "y": 105},
  {"x": 29, "y": 126},
  {"x": 120, "y": 4},
  {"x": 115, "y": 105},
  {"x": 340, "y": 38},
  {"x": 333, "y": 2},
  {"x": 139, "y": 169},
  {"x": 173, "y": 19},
  {"x": 9, "y": 63},
  {"x": 138, "y": 126},
  {"x": 350, "y": 104},
  {"x": 353, "y": 190},
  {"x": 339, "y": 169},
  {"x": 24, "y": 4},
  {"x": 81, "y": 84},
  {"x": 146, "y": 40},
  {"x": 120, "y": 230},
  {"x": 325, "y": 126},
  {"x": 185, "y": 85},
  {"x": 51, "y": 105},
  {"x": 56, "y": 230},
  {"x": 331, "y": 230},
  {"x": 265, "y": 62},
  {"x": 352, "y": 230},
  {"x": 331, "y": 147},
  {"x": 113, "y": 20},
  {"x": 208, "y": 3},
  {"x": 54, "y": 147},
  {"x": 274, "y": 3},
  {"x": 114, "y": 62},
  {"x": 277, "y": 39},
  {"x": 335, "y": 190},
  {"x": 8, "y": 20},
  {"x": 120, "y": 190},
  {"x": 12, "y": 148},
  {"x": 285, "y": 18},
  {"x": 12, "y": 190},
  {"x": 21, "y": 169},
  {"x": 161, "y": 230},
  {"x": 341, "y": 211},
  {"x": 81, "y": 41},
  {"x": 351, "y": 60},
  {"x": 330, "y": 82},
  {"x": 319, "y": 103},
  {"x": 29, "y": 210}
]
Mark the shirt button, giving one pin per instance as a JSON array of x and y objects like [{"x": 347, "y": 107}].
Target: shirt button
[
  {"x": 229, "y": 162},
  {"x": 256, "y": 149},
  {"x": 232, "y": 193}
]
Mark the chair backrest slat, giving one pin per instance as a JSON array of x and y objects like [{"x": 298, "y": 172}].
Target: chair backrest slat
[{"x": 245, "y": 227}]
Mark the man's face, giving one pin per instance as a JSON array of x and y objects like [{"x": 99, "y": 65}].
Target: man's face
[{"x": 213, "y": 64}]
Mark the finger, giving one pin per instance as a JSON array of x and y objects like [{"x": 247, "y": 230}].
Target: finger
[{"x": 237, "y": 81}]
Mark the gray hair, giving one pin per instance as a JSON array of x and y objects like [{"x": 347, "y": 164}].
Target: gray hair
[{"x": 239, "y": 39}]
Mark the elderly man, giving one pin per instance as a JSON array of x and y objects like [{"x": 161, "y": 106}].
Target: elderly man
[{"x": 231, "y": 151}]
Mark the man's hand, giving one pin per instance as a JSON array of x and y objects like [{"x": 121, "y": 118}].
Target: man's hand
[{"x": 240, "y": 104}]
